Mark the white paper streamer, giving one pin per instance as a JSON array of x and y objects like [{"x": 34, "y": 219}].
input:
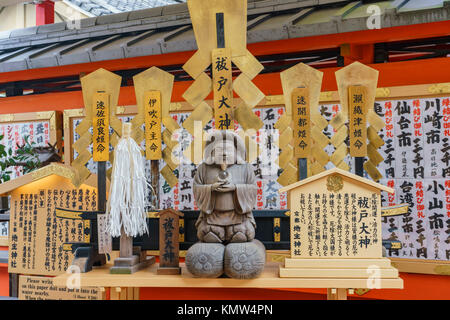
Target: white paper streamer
[{"x": 129, "y": 188}]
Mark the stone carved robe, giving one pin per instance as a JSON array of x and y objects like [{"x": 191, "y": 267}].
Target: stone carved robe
[{"x": 225, "y": 208}]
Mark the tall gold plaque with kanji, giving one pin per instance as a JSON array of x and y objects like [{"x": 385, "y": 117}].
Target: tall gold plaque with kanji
[
  {"x": 148, "y": 85},
  {"x": 302, "y": 122},
  {"x": 223, "y": 89},
  {"x": 100, "y": 89},
  {"x": 100, "y": 127},
  {"x": 220, "y": 29},
  {"x": 301, "y": 87},
  {"x": 153, "y": 141},
  {"x": 357, "y": 96},
  {"x": 360, "y": 80}
]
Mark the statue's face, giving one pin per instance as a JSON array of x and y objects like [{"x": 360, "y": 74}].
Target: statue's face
[
  {"x": 224, "y": 153},
  {"x": 224, "y": 149}
]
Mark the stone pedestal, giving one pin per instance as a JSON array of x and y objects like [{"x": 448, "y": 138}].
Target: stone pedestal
[
  {"x": 205, "y": 260},
  {"x": 244, "y": 260}
]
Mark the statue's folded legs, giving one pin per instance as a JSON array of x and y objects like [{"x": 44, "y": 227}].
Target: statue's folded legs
[
  {"x": 225, "y": 192},
  {"x": 241, "y": 232}
]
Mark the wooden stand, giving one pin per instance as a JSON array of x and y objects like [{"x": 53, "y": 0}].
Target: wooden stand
[
  {"x": 339, "y": 269},
  {"x": 133, "y": 263},
  {"x": 131, "y": 258}
]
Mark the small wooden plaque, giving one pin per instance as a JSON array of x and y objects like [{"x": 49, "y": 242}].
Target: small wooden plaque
[{"x": 169, "y": 249}]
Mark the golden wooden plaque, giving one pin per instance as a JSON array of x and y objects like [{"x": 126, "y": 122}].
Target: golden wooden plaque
[
  {"x": 203, "y": 17},
  {"x": 223, "y": 89},
  {"x": 357, "y": 97},
  {"x": 100, "y": 126},
  {"x": 153, "y": 139},
  {"x": 302, "y": 122}
]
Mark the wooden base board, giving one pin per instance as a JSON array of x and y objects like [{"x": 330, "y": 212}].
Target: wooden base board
[
  {"x": 101, "y": 277},
  {"x": 167, "y": 270},
  {"x": 387, "y": 273},
  {"x": 337, "y": 263},
  {"x": 132, "y": 269},
  {"x": 127, "y": 262},
  {"x": 401, "y": 264}
]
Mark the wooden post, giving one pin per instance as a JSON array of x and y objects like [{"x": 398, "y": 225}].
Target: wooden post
[
  {"x": 302, "y": 168},
  {"x": 126, "y": 245},
  {"x": 169, "y": 248},
  {"x": 14, "y": 285},
  {"x": 101, "y": 187},
  {"x": 4, "y": 206},
  {"x": 114, "y": 293},
  {"x": 341, "y": 294},
  {"x": 359, "y": 166},
  {"x": 155, "y": 183},
  {"x": 337, "y": 294},
  {"x": 220, "y": 27},
  {"x": 101, "y": 184},
  {"x": 101, "y": 206}
]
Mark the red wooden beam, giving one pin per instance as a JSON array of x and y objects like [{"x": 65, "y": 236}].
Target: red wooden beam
[
  {"x": 365, "y": 37},
  {"x": 45, "y": 13},
  {"x": 363, "y": 53},
  {"x": 391, "y": 74}
]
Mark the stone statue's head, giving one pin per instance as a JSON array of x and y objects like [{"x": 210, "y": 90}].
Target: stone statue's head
[{"x": 224, "y": 147}]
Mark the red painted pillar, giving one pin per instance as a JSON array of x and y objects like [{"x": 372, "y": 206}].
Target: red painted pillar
[{"x": 45, "y": 13}]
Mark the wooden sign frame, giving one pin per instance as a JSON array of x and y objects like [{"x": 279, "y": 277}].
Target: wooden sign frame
[
  {"x": 55, "y": 119},
  {"x": 30, "y": 285}
]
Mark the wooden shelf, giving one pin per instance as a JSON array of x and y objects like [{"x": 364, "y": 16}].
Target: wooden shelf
[{"x": 100, "y": 277}]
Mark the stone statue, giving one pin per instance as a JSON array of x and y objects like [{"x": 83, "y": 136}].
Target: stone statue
[{"x": 225, "y": 192}]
